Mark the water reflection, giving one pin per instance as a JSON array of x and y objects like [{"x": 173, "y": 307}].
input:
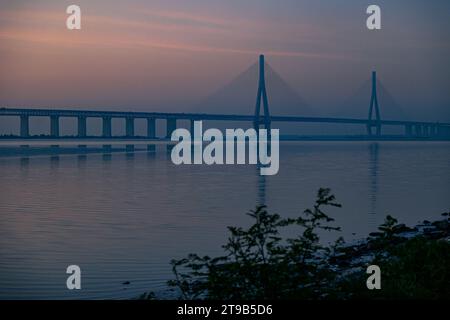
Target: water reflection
[
  {"x": 130, "y": 156},
  {"x": 106, "y": 148},
  {"x": 106, "y": 157},
  {"x": 373, "y": 174},
  {"x": 81, "y": 161},
  {"x": 261, "y": 181},
  {"x": 24, "y": 162},
  {"x": 54, "y": 162}
]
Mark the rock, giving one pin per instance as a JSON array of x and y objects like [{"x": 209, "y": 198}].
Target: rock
[
  {"x": 429, "y": 230},
  {"x": 434, "y": 234},
  {"x": 400, "y": 228},
  {"x": 375, "y": 234},
  {"x": 441, "y": 225}
]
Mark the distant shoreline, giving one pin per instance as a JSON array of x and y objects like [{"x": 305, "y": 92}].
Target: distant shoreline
[{"x": 39, "y": 146}]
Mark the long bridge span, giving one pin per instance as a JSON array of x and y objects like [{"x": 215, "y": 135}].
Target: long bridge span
[{"x": 412, "y": 129}]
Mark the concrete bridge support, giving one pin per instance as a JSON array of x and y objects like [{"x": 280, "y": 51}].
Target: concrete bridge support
[
  {"x": 170, "y": 127},
  {"x": 377, "y": 129},
  {"x": 434, "y": 131},
  {"x": 81, "y": 126},
  {"x": 54, "y": 126},
  {"x": 431, "y": 130},
  {"x": 192, "y": 127},
  {"x": 24, "y": 126},
  {"x": 106, "y": 122},
  {"x": 418, "y": 130},
  {"x": 426, "y": 130},
  {"x": 129, "y": 127},
  {"x": 151, "y": 128},
  {"x": 408, "y": 130}
]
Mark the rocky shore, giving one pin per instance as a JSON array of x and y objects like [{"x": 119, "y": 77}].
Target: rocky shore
[{"x": 363, "y": 251}]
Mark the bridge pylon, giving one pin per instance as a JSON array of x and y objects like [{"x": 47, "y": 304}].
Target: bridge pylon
[
  {"x": 262, "y": 95},
  {"x": 374, "y": 108}
]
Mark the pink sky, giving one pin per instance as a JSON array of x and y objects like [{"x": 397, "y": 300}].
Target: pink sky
[{"x": 156, "y": 55}]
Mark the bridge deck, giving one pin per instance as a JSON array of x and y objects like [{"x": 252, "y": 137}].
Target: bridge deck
[{"x": 195, "y": 116}]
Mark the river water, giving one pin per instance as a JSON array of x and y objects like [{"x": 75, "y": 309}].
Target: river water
[{"x": 123, "y": 216}]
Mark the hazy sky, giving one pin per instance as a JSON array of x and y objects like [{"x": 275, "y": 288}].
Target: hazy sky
[{"x": 167, "y": 55}]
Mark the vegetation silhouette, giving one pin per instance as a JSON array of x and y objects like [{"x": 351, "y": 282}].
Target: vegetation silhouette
[{"x": 259, "y": 263}]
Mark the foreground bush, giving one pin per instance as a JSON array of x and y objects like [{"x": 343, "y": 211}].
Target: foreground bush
[{"x": 260, "y": 264}]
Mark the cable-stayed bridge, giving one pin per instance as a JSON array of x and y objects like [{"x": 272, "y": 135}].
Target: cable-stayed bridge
[{"x": 262, "y": 116}]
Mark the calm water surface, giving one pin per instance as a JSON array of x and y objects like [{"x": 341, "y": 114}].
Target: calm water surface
[{"x": 123, "y": 217}]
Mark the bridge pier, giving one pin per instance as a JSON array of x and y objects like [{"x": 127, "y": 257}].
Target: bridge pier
[
  {"x": 171, "y": 125},
  {"x": 54, "y": 126},
  {"x": 418, "y": 129},
  {"x": 434, "y": 131},
  {"x": 429, "y": 130},
  {"x": 426, "y": 130},
  {"x": 408, "y": 130},
  {"x": 81, "y": 126},
  {"x": 106, "y": 122},
  {"x": 191, "y": 127},
  {"x": 151, "y": 128},
  {"x": 24, "y": 126},
  {"x": 129, "y": 129},
  {"x": 377, "y": 129}
]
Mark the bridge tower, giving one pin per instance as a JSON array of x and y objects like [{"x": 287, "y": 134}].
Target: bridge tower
[
  {"x": 374, "y": 105},
  {"x": 262, "y": 94}
]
